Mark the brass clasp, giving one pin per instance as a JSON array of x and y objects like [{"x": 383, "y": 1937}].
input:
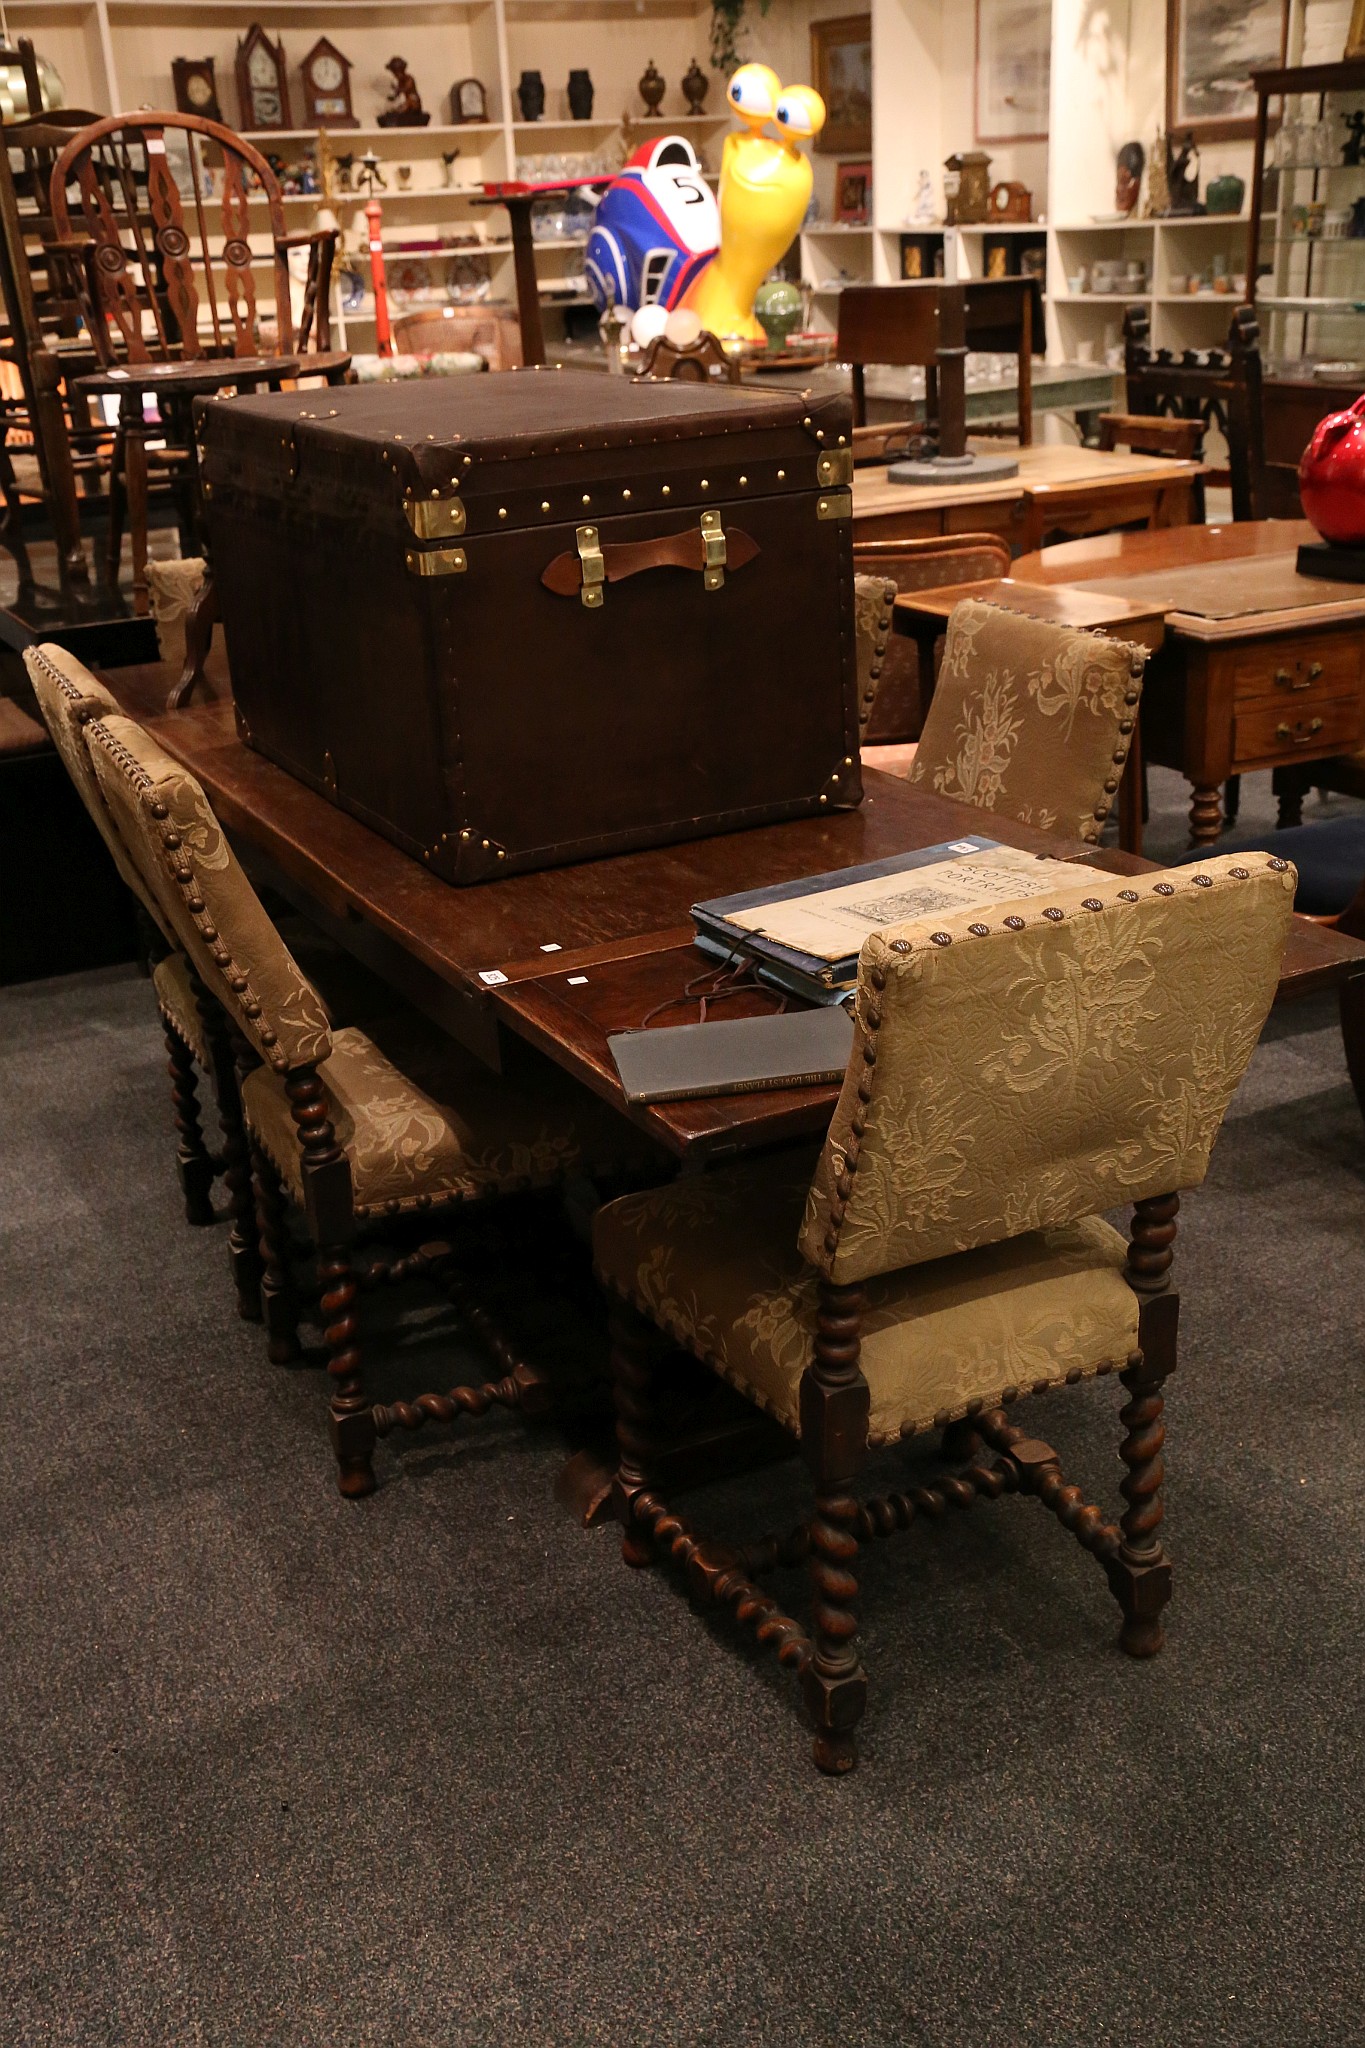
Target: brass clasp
[
  {"x": 594, "y": 568},
  {"x": 713, "y": 551}
]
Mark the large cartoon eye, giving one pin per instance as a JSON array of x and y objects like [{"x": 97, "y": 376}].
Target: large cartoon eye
[
  {"x": 800, "y": 111},
  {"x": 752, "y": 90}
]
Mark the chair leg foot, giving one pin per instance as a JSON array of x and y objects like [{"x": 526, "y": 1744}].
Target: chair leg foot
[
  {"x": 1142, "y": 1591},
  {"x": 353, "y": 1441},
  {"x": 279, "y": 1303}
]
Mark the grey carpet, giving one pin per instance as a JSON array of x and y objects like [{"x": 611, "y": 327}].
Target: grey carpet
[{"x": 436, "y": 1768}]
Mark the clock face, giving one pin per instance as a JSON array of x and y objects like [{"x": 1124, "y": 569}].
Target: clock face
[
  {"x": 266, "y": 109},
  {"x": 327, "y": 73},
  {"x": 198, "y": 91},
  {"x": 261, "y": 68}
]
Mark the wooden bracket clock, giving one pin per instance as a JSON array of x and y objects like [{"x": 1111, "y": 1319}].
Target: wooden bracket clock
[
  {"x": 196, "y": 91},
  {"x": 468, "y": 101},
  {"x": 262, "y": 86},
  {"x": 327, "y": 87}
]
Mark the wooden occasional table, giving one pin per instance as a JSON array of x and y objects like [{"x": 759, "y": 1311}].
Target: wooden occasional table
[
  {"x": 1068, "y": 490},
  {"x": 1260, "y": 667},
  {"x": 922, "y": 616},
  {"x": 564, "y": 957}
]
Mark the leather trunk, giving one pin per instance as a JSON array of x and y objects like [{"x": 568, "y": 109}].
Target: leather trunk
[{"x": 517, "y": 620}]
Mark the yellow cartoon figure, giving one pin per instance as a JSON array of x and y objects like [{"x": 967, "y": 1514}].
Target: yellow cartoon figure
[{"x": 765, "y": 187}]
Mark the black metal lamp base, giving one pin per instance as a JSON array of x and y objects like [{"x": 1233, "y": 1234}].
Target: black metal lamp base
[{"x": 952, "y": 469}]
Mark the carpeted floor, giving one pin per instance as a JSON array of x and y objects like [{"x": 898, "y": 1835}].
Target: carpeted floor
[{"x": 436, "y": 1769}]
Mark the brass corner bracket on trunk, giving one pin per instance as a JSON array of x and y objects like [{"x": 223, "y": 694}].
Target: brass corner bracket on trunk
[
  {"x": 436, "y": 561},
  {"x": 835, "y": 469},
  {"x": 434, "y": 518}
]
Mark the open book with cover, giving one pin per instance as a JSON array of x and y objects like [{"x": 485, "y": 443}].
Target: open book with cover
[{"x": 805, "y": 936}]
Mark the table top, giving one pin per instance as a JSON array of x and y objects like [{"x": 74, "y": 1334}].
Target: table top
[
  {"x": 1042, "y": 468},
  {"x": 198, "y": 376},
  {"x": 1060, "y": 604},
  {"x": 619, "y": 930},
  {"x": 1212, "y": 584}
]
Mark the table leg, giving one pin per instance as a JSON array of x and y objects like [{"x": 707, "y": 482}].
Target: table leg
[
  {"x": 1352, "y": 999},
  {"x": 135, "y": 471},
  {"x": 528, "y": 292},
  {"x": 1206, "y": 814},
  {"x": 1290, "y": 786}
]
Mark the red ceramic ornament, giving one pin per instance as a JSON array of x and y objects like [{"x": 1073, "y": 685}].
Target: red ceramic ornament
[{"x": 1332, "y": 477}]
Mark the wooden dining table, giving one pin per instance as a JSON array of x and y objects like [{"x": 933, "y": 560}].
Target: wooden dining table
[
  {"x": 565, "y": 957},
  {"x": 1059, "y": 489}
]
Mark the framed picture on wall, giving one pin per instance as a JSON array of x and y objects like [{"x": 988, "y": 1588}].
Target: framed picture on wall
[
  {"x": 841, "y": 59},
  {"x": 1013, "y": 69},
  {"x": 1212, "y": 48},
  {"x": 853, "y": 194}
]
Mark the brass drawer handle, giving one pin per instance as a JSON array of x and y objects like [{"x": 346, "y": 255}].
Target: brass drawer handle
[
  {"x": 1290, "y": 679},
  {"x": 1299, "y": 734}
]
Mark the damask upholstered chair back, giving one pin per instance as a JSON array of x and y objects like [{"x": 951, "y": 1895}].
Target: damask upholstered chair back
[
  {"x": 1041, "y": 1061},
  {"x": 218, "y": 919},
  {"x": 873, "y": 597},
  {"x": 1030, "y": 720},
  {"x": 69, "y": 697}
]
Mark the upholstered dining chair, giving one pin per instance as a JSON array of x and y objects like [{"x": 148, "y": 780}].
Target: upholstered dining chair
[
  {"x": 1015, "y": 1073},
  {"x": 69, "y": 697},
  {"x": 355, "y": 1129},
  {"x": 1031, "y": 720},
  {"x": 925, "y": 563},
  {"x": 873, "y": 597}
]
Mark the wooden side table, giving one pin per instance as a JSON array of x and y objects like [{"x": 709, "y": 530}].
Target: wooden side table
[
  {"x": 1260, "y": 667},
  {"x": 922, "y": 616}
]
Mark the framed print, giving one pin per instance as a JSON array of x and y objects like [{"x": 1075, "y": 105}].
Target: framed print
[
  {"x": 1013, "y": 69},
  {"x": 841, "y": 59},
  {"x": 1212, "y": 48},
  {"x": 853, "y": 194}
]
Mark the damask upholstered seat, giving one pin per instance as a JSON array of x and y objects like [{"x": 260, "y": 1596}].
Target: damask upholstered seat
[
  {"x": 1031, "y": 720},
  {"x": 69, "y": 697},
  {"x": 1014, "y": 1075},
  {"x": 351, "y": 1124},
  {"x": 420, "y": 1121},
  {"x": 873, "y": 598}
]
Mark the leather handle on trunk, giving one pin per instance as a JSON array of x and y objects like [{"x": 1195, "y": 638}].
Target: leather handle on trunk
[{"x": 685, "y": 550}]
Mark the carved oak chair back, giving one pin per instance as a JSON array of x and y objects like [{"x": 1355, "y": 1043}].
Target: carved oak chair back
[
  {"x": 169, "y": 273},
  {"x": 873, "y": 597},
  {"x": 1218, "y": 387},
  {"x": 924, "y": 564},
  {"x": 1033, "y": 1065},
  {"x": 1030, "y": 719}
]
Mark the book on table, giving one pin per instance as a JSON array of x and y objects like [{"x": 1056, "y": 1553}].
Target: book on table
[{"x": 804, "y": 938}]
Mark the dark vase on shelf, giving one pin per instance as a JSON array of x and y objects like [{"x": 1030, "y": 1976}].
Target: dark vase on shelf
[
  {"x": 531, "y": 95},
  {"x": 695, "y": 87},
  {"x": 652, "y": 88},
  {"x": 580, "y": 95}
]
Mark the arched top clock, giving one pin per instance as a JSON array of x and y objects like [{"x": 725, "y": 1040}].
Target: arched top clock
[
  {"x": 262, "y": 85},
  {"x": 327, "y": 87}
]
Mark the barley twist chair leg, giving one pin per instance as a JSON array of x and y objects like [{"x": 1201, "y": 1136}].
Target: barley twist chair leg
[
  {"x": 1140, "y": 1571},
  {"x": 279, "y": 1302},
  {"x": 243, "y": 1252},
  {"x": 636, "y": 1347},
  {"x": 193, "y": 1162},
  {"x": 834, "y": 1412},
  {"x": 329, "y": 1208}
]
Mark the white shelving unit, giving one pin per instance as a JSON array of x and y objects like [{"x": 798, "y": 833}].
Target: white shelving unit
[{"x": 116, "y": 54}]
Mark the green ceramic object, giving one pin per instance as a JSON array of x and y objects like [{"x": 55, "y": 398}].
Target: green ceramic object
[
  {"x": 777, "y": 308},
  {"x": 1225, "y": 194}
]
